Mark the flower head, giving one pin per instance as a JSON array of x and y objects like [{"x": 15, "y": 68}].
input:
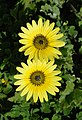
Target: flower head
[
  {"x": 36, "y": 79},
  {"x": 4, "y": 81},
  {"x": 40, "y": 40}
]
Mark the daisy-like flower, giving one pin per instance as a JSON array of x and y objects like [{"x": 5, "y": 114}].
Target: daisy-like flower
[
  {"x": 40, "y": 40},
  {"x": 36, "y": 79}
]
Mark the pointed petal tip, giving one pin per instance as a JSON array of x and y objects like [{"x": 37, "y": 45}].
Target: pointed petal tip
[
  {"x": 40, "y": 18},
  {"x": 20, "y": 49},
  {"x": 15, "y": 83},
  {"x": 19, "y": 34},
  {"x": 17, "y": 90},
  {"x": 22, "y": 27},
  {"x": 63, "y": 43},
  {"x": 15, "y": 76}
]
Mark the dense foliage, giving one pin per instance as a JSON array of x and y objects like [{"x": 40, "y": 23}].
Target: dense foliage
[{"x": 67, "y": 104}]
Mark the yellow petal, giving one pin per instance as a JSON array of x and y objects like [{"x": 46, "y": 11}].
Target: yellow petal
[
  {"x": 46, "y": 24},
  {"x": 29, "y": 95},
  {"x": 50, "y": 90},
  {"x": 40, "y": 94},
  {"x": 31, "y": 56},
  {"x": 56, "y": 56},
  {"x": 56, "y": 51},
  {"x": 35, "y": 94},
  {"x": 56, "y": 72},
  {"x": 53, "y": 79},
  {"x": 34, "y": 24},
  {"x": 21, "y": 70},
  {"x": 50, "y": 54},
  {"x": 40, "y": 24},
  {"x": 50, "y": 51},
  {"x": 57, "y": 43},
  {"x": 53, "y": 32},
  {"x": 49, "y": 29},
  {"x": 25, "y": 30},
  {"x": 53, "y": 73},
  {"x": 29, "y": 26},
  {"x": 24, "y": 65},
  {"x": 54, "y": 88},
  {"x": 23, "y": 41},
  {"x": 56, "y": 30},
  {"x": 26, "y": 41},
  {"x": 51, "y": 68},
  {"x": 58, "y": 36},
  {"x": 57, "y": 78},
  {"x": 44, "y": 93},
  {"x": 38, "y": 65},
  {"x": 27, "y": 52},
  {"x": 26, "y": 89},
  {"x": 19, "y": 76},
  {"x": 40, "y": 55},
  {"x": 49, "y": 65},
  {"x": 20, "y": 87},
  {"x": 23, "y": 48},
  {"x": 19, "y": 82},
  {"x": 44, "y": 55},
  {"x": 36, "y": 55},
  {"x": 22, "y": 35},
  {"x": 58, "y": 84}
]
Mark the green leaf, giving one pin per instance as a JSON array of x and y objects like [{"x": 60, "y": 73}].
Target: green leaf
[
  {"x": 69, "y": 77},
  {"x": 66, "y": 108},
  {"x": 56, "y": 106},
  {"x": 56, "y": 117},
  {"x": 2, "y": 66},
  {"x": 58, "y": 23},
  {"x": 79, "y": 116},
  {"x": 13, "y": 114},
  {"x": 72, "y": 31},
  {"x": 46, "y": 119},
  {"x": 80, "y": 50},
  {"x": 35, "y": 110},
  {"x": 77, "y": 96},
  {"x": 45, "y": 7},
  {"x": 80, "y": 39},
  {"x": 69, "y": 86},
  {"x": 56, "y": 11},
  {"x": 7, "y": 89},
  {"x": 4, "y": 63},
  {"x": 1, "y": 74},
  {"x": 81, "y": 10},
  {"x": 16, "y": 97},
  {"x": 80, "y": 23},
  {"x": 2, "y": 96},
  {"x": 14, "y": 12},
  {"x": 45, "y": 108}
]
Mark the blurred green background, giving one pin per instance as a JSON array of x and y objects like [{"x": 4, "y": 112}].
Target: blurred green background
[{"x": 67, "y": 14}]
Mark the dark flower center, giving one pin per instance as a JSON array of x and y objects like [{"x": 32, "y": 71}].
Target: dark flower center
[
  {"x": 37, "y": 77},
  {"x": 40, "y": 42}
]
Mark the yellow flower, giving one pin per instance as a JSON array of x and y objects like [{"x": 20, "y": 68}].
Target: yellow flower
[
  {"x": 40, "y": 40},
  {"x": 4, "y": 81},
  {"x": 36, "y": 79}
]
